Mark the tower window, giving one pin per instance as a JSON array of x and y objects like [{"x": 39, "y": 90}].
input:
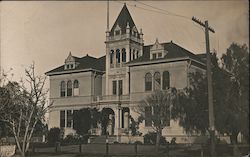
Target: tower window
[
  {"x": 111, "y": 56},
  {"x": 114, "y": 87},
  {"x": 133, "y": 54},
  {"x": 123, "y": 55},
  {"x": 118, "y": 56},
  {"x": 120, "y": 87}
]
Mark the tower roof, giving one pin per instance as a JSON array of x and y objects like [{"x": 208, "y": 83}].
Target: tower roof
[{"x": 123, "y": 18}]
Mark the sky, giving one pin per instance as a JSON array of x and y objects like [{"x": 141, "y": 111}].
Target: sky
[{"x": 44, "y": 32}]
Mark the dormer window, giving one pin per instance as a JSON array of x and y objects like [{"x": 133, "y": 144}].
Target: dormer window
[
  {"x": 157, "y": 51},
  {"x": 154, "y": 56},
  {"x": 70, "y": 62},
  {"x": 117, "y": 32},
  {"x": 159, "y": 55}
]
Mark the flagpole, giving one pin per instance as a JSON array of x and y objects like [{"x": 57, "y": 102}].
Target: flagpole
[{"x": 107, "y": 15}]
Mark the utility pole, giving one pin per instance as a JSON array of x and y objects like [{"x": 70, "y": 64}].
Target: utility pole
[{"x": 210, "y": 88}]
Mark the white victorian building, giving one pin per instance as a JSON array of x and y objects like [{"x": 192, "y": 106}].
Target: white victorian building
[{"x": 119, "y": 80}]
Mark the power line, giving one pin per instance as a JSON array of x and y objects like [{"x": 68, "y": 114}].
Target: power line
[
  {"x": 169, "y": 13},
  {"x": 161, "y": 11}
]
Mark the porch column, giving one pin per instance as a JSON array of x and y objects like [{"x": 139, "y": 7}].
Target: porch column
[{"x": 126, "y": 120}]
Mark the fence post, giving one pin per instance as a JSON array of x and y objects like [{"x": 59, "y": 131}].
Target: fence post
[
  {"x": 80, "y": 148},
  {"x": 107, "y": 149},
  {"x": 33, "y": 148},
  {"x": 202, "y": 153},
  {"x": 57, "y": 147},
  {"x": 136, "y": 150}
]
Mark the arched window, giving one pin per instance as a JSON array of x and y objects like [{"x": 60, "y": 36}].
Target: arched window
[
  {"x": 130, "y": 55},
  {"x": 69, "y": 88},
  {"x": 111, "y": 56},
  {"x": 157, "y": 81},
  {"x": 123, "y": 55},
  {"x": 137, "y": 54},
  {"x": 62, "y": 89},
  {"x": 148, "y": 82},
  {"x": 118, "y": 56},
  {"x": 166, "y": 80},
  {"x": 76, "y": 88},
  {"x": 133, "y": 54}
]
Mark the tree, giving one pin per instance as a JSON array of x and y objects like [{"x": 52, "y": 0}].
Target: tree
[
  {"x": 85, "y": 119},
  {"x": 22, "y": 107},
  {"x": 82, "y": 121},
  {"x": 230, "y": 96},
  {"x": 159, "y": 104},
  {"x": 54, "y": 135},
  {"x": 236, "y": 62},
  {"x": 192, "y": 108}
]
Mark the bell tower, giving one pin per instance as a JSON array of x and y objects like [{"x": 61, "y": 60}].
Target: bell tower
[{"x": 124, "y": 43}]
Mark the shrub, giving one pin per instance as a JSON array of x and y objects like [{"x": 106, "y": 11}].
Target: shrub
[
  {"x": 138, "y": 142},
  {"x": 54, "y": 136},
  {"x": 116, "y": 142},
  {"x": 75, "y": 139},
  {"x": 150, "y": 138}
]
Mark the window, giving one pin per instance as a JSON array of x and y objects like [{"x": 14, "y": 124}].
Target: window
[
  {"x": 118, "y": 56},
  {"x": 154, "y": 56},
  {"x": 130, "y": 55},
  {"x": 167, "y": 123},
  {"x": 133, "y": 54},
  {"x": 74, "y": 117},
  {"x": 123, "y": 55},
  {"x": 166, "y": 80},
  {"x": 76, "y": 88},
  {"x": 148, "y": 116},
  {"x": 159, "y": 55},
  {"x": 148, "y": 82},
  {"x": 137, "y": 54},
  {"x": 69, "y": 118},
  {"x": 120, "y": 87},
  {"x": 71, "y": 66},
  {"x": 69, "y": 88},
  {"x": 62, "y": 89},
  {"x": 114, "y": 87},
  {"x": 157, "y": 81},
  {"x": 111, "y": 56},
  {"x": 117, "y": 32},
  {"x": 62, "y": 119}
]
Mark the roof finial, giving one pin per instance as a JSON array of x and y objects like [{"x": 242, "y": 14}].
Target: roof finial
[
  {"x": 70, "y": 53},
  {"x": 156, "y": 40},
  {"x": 127, "y": 25},
  {"x": 125, "y": 3}
]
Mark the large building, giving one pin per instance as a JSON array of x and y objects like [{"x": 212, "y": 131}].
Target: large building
[{"x": 119, "y": 80}]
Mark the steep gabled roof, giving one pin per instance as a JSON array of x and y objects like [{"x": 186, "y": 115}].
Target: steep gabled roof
[
  {"x": 174, "y": 51},
  {"x": 84, "y": 63},
  {"x": 122, "y": 20}
]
